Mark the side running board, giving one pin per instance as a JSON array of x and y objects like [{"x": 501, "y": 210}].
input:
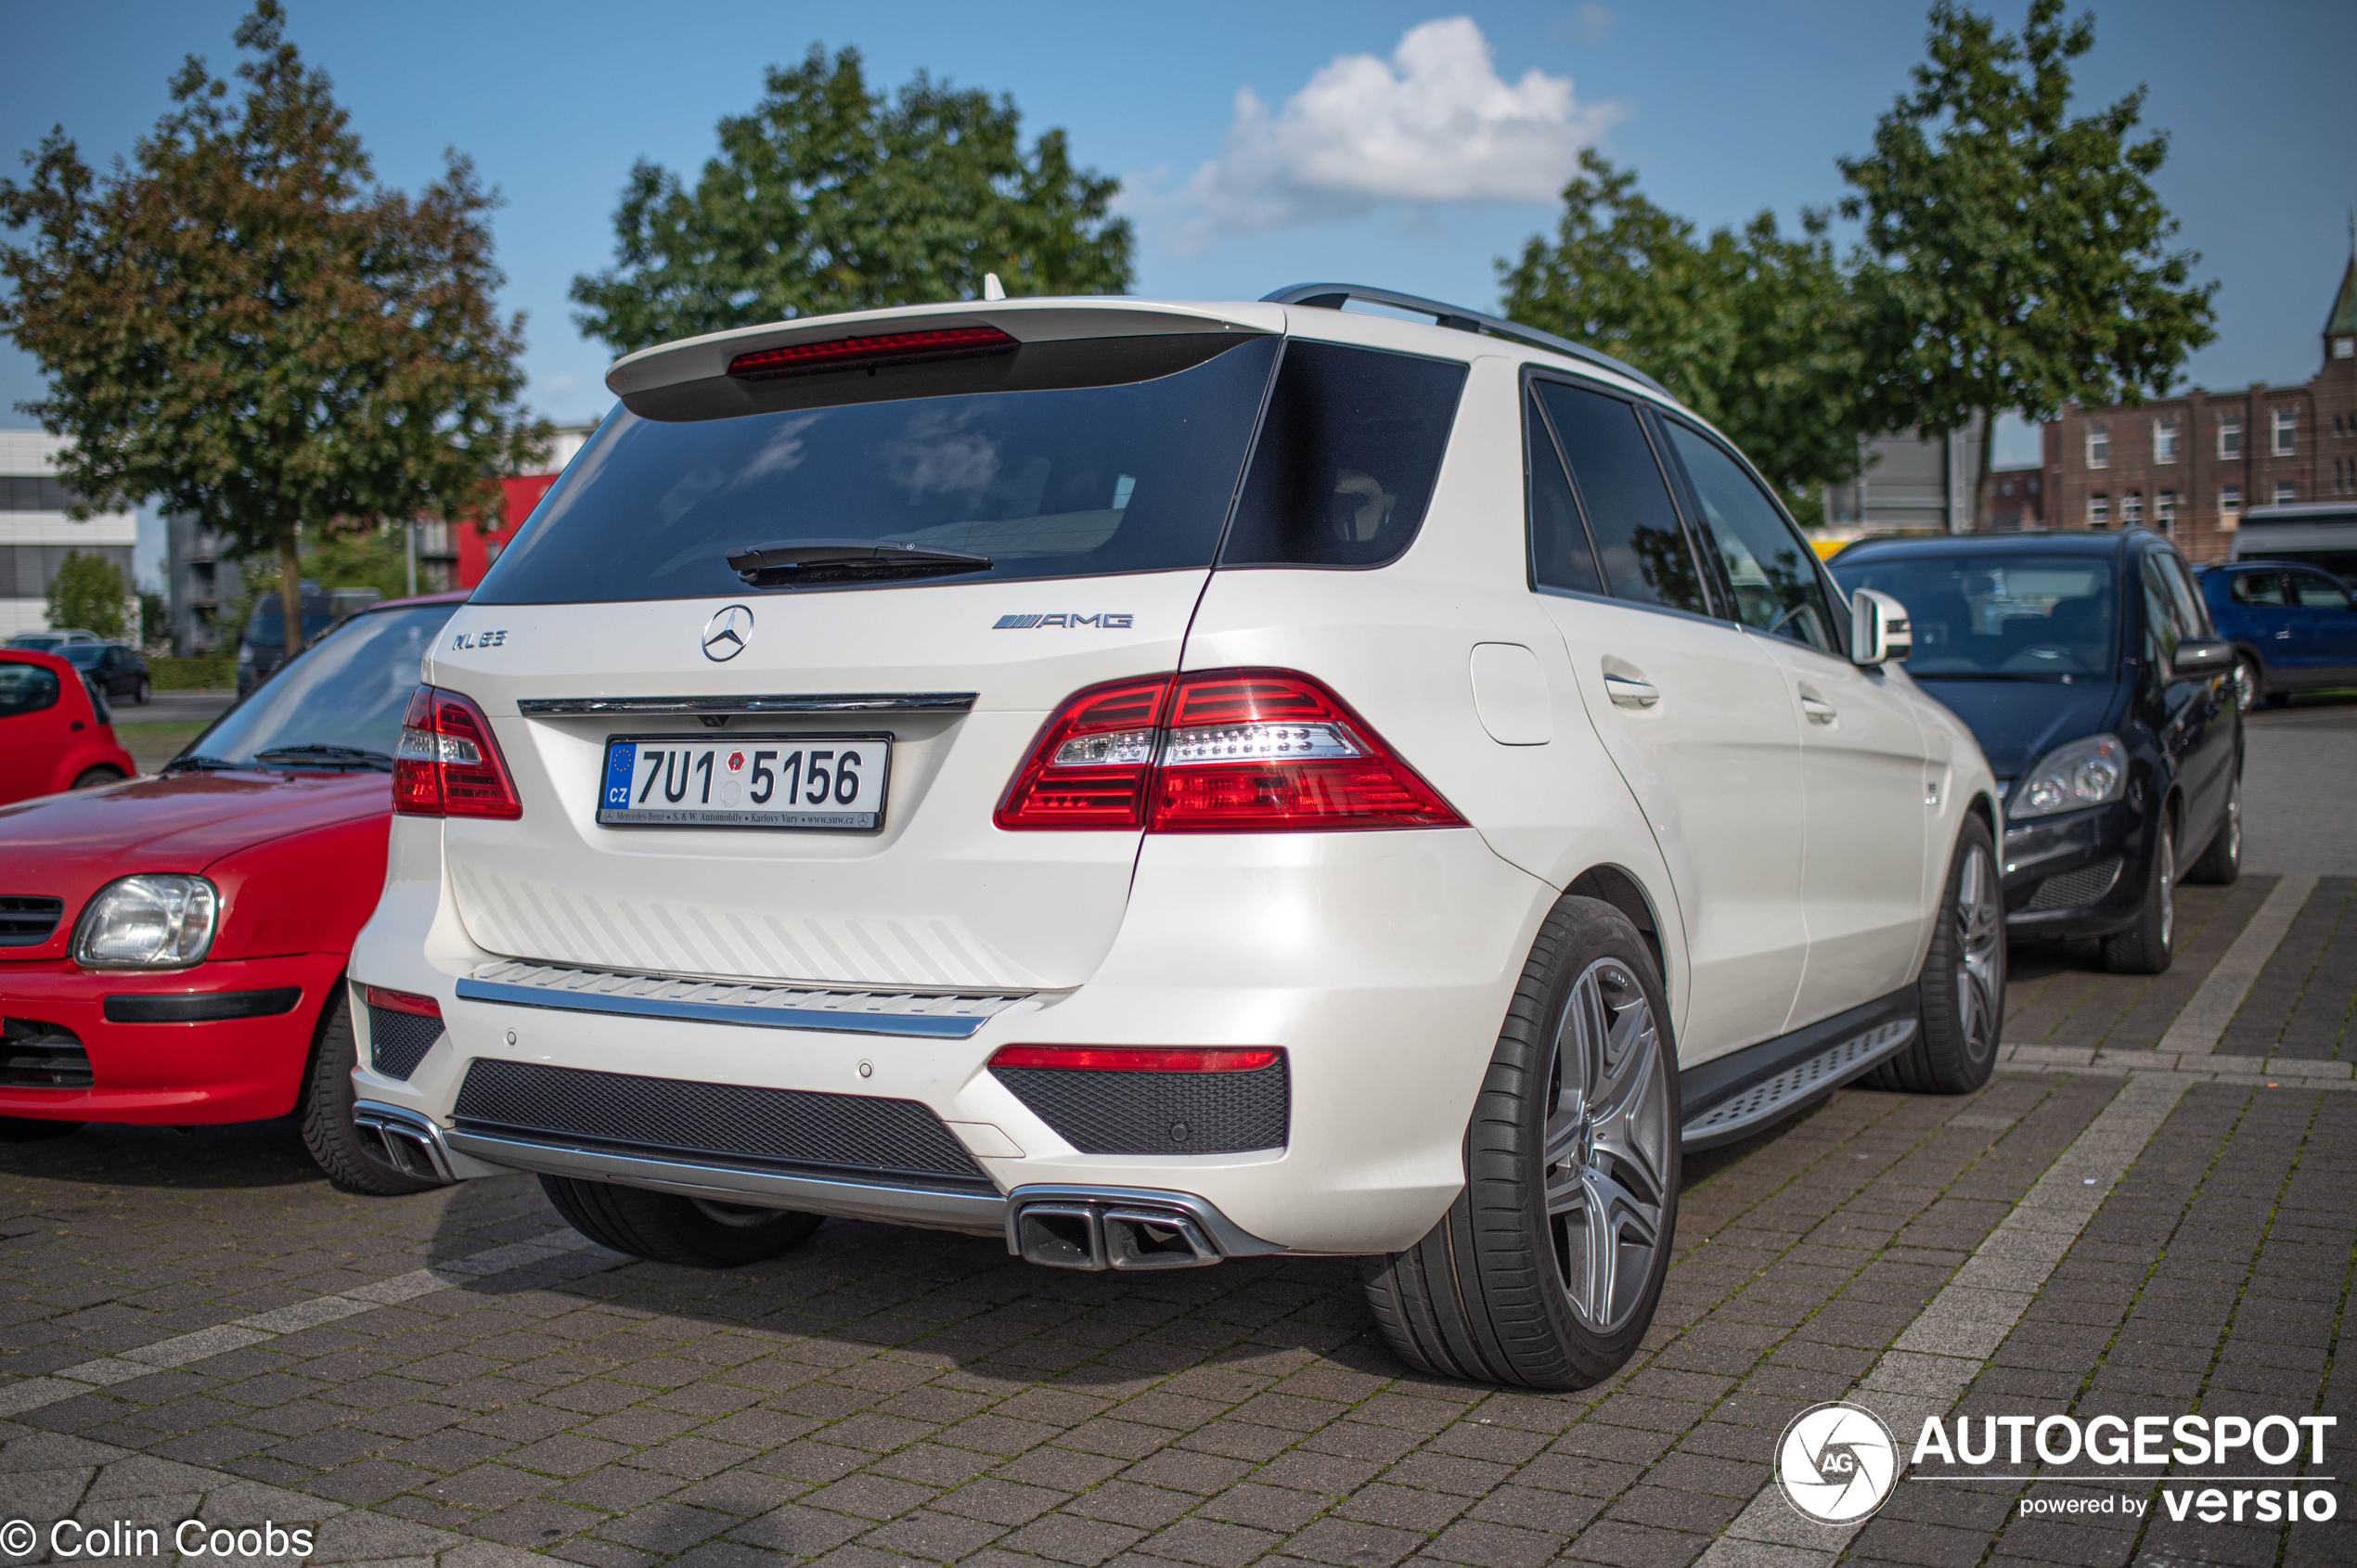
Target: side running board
[{"x": 1735, "y": 1095}]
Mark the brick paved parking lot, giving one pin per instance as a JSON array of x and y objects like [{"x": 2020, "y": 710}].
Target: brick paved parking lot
[{"x": 2152, "y": 1209}]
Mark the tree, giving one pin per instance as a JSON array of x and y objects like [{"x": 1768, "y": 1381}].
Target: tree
[
  {"x": 830, "y": 197},
  {"x": 241, "y": 323},
  {"x": 88, "y": 591},
  {"x": 1752, "y": 330},
  {"x": 2015, "y": 257}
]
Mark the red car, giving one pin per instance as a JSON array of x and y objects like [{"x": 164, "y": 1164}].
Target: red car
[
  {"x": 53, "y": 734},
  {"x": 172, "y": 949}
]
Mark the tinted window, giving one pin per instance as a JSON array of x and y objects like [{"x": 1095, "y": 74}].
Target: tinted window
[
  {"x": 2026, "y": 615},
  {"x": 347, "y": 691},
  {"x": 1346, "y": 459},
  {"x": 1056, "y": 482},
  {"x": 2319, "y": 592},
  {"x": 1560, "y": 554},
  {"x": 1769, "y": 566},
  {"x": 26, "y": 688},
  {"x": 1638, "y": 542},
  {"x": 2164, "y": 622},
  {"x": 2192, "y": 614},
  {"x": 2257, "y": 587}
]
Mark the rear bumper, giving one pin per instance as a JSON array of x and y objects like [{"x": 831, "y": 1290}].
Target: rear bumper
[
  {"x": 1380, "y": 963},
  {"x": 2081, "y": 874},
  {"x": 222, "y": 1042}
]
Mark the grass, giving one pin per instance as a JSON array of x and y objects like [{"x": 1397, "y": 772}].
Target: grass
[{"x": 152, "y": 745}]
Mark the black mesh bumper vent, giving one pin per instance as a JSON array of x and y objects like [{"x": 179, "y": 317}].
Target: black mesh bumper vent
[
  {"x": 29, "y": 922},
  {"x": 727, "y": 1124},
  {"x": 34, "y": 1055},
  {"x": 398, "y": 1041},
  {"x": 1156, "y": 1113},
  {"x": 2073, "y": 888}
]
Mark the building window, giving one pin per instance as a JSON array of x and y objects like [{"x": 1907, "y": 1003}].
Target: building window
[
  {"x": 2099, "y": 511},
  {"x": 2286, "y": 492},
  {"x": 2229, "y": 436},
  {"x": 2131, "y": 508},
  {"x": 2344, "y": 348},
  {"x": 2098, "y": 446},
  {"x": 2164, "y": 511},
  {"x": 2230, "y": 501},
  {"x": 2033, "y": 485},
  {"x": 2286, "y": 432},
  {"x": 2164, "y": 441}
]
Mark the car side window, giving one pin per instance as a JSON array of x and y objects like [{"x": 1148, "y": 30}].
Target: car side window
[
  {"x": 2193, "y": 613},
  {"x": 2317, "y": 592},
  {"x": 2163, "y": 630},
  {"x": 1771, "y": 569},
  {"x": 2264, "y": 588},
  {"x": 1561, "y": 556},
  {"x": 1640, "y": 543},
  {"x": 26, "y": 688}
]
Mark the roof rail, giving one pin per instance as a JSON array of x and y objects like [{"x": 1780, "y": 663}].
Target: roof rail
[{"x": 1333, "y": 296}]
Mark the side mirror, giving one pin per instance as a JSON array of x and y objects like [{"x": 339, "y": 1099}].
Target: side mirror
[
  {"x": 1879, "y": 630},
  {"x": 2203, "y": 656}
]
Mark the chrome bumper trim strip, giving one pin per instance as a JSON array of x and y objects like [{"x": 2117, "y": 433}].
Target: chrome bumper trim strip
[
  {"x": 835, "y": 702},
  {"x": 516, "y": 983}
]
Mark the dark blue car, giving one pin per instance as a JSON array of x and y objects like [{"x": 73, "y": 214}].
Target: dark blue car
[
  {"x": 2292, "y": 626},
  {"x": 2109, "y": 706}
]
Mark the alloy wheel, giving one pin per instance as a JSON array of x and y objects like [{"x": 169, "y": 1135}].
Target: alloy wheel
[
  {"x": 1980, "y": 933},
  {"x": 2235, "y": 819},
  {"x": 2168, "y": 853},
  {"x": 1605, "y": 1151}
]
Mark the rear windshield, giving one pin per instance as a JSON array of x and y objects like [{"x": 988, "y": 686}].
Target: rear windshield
[
  {"x": 2028, "y": 615},
  {"x": 338, "y": 704},
  {"x": 1053, "y": 482},
  {"x": 26, "y": 688}
]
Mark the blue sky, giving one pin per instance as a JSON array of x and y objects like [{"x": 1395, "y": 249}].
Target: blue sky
[{"x": 1722, "y": 108}]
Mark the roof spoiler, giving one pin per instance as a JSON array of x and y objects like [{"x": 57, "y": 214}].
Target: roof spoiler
[{"x": 1333, "y": 296}]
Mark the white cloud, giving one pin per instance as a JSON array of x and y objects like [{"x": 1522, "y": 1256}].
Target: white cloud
[
  {"x": 1597, "y": 19},
  {"x": 1435, "y": 122}
]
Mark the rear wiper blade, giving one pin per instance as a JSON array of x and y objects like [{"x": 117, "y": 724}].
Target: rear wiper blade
[
  {"x": 326, "y": 756},
  {"x": 810, "y": 562}
]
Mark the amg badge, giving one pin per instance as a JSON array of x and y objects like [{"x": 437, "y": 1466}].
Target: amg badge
[{"x": 1104, "y": 620}]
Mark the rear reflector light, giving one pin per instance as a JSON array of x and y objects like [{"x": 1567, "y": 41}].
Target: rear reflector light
[
  {"x": 885, "y": 348},
  {"x": 448, "y": 764},
  {"x": 402, "y": 1001},
  {"x": 1129, "y": 1059},
  {"x": 1218, "y": 751}
]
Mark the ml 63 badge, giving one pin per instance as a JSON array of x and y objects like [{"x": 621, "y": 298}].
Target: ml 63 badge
[{"x": 746, "y": 782}]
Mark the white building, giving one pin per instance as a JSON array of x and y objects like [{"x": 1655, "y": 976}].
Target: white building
[{"x": 35, "y": 533}]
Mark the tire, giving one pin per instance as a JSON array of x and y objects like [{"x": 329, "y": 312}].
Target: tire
[
  {"x": 91, "y": 778},
  {"x": 32, "y": 1130},
  {"x": 2221, "y": 864},
  {"x": 1502, "y": 1290},
  {"x": 2147, "y": 946},
  {"x": 667, "y": 1228},
  {"x": 139, "y": 693},
  {"x": 1960, "y": 995},
  {"x": 323, "y": 1107}
]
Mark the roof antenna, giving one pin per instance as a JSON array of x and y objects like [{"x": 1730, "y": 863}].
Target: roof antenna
[{"x": 991, "y": 288}]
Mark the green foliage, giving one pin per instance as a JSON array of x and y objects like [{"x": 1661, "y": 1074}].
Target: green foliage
[
  {"x": 155, "y": 621},
  {"x": 2015, "y": 257},
  {"x": 1751, "y": 330},
  {"x": 241, "y": 323},
  {"x": 88, "y": 591},
  {"x": 379, "y": 560},
  {"x": 830, "y": 197}
]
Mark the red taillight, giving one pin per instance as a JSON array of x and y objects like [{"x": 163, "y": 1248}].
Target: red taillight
[
  {"x": 1147, "y": 1058},
  {"x": 1218, "y": 751},
  {"x": 448, "y": 764},
  {"x": 402, "y": 1001},
  {"x": 883, "y": 348},
  {"x": 1092, "y": 763}
]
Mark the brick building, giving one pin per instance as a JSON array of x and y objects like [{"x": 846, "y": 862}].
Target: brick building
[{"x": 2190, "y": 466}]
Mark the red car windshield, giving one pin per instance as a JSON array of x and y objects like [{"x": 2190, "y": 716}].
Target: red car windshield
[{"x": 337, "y": 705}]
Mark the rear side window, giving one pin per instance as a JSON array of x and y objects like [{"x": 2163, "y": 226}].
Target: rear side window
[
  {"x": 1770, "y": 570},
  {"x": 2319, "y": 592},
  {"x": 1560, "y": 554},
  {"x": 1348, "y": 454},
  {"x": 26, "y": 688},
  {"x": 1056, "y": 482},
  {"x": 1638, "y": 542},
  {"x": 2257, "y": 587}
]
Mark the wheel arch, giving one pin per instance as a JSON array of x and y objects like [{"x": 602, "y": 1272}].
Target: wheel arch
[{"x": 1620, "y": 888}]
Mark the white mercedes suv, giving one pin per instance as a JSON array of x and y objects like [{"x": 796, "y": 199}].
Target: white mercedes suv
[{"x": 1167, "y": 782}]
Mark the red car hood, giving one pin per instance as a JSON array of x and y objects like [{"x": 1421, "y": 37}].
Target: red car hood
[{"x": 68, "y": 846}]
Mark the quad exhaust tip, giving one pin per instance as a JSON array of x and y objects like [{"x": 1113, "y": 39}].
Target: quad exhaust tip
[
  {"x": 1092, "y": 1232},
  {"x": 406, "y": 1143}
]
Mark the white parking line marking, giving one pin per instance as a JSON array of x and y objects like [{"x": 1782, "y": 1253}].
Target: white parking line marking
[
  {"x": 1935, "y": 1358},
  {"x": 2203, "y": 1022},
  {"x": 182, "y": 1349}
]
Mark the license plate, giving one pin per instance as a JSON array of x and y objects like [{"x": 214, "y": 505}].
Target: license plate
[{"x": 746, "y": 782}]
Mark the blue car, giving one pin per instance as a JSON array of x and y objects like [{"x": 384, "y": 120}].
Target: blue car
[
  {"x": 2089, "y": 668},
  {"x": 2292, "y": 626}
]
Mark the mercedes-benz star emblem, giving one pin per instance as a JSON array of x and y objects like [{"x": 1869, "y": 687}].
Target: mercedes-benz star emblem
[{"x": 723, "y": 635}]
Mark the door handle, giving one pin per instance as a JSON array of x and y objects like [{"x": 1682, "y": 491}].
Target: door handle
[
  {"x": 1818, "y": 709},
  {"x": 1626, "y": 691}
]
